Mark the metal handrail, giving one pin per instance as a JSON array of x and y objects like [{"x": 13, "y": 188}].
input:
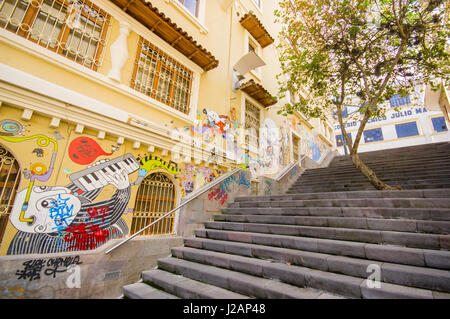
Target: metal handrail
[
  {"x": 288, "y": 168},
  {"x": 284, "y": 171},
  {"x": 189, "y": 199}
]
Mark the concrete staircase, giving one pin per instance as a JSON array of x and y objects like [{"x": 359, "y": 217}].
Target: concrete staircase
[{"x": 324, "y": 238}]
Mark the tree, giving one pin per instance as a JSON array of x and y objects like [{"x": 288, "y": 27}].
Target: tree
[{"x": 344, "y": 52}]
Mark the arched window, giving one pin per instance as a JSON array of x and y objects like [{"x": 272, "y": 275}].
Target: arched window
[
  {"x": 9, "y": 181},
  {"x": 155, "y": 197}
]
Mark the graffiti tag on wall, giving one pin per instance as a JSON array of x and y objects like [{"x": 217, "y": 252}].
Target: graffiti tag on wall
[{"x": 32, "y": 269}]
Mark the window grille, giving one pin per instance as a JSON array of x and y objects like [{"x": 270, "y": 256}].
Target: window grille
[
  {"x": 252, "y": 123},
  {"x": 161, "y": 77},
  {"x": 155, "y": 197},
  {"x": 75, "y": 29},
  {"x": 9, "y": 181},
  {"x": 398, "y": 100}
]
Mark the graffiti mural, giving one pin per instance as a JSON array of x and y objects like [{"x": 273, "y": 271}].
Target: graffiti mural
[
  {"x": 218, "y": 123},
  {"x": 54, "y": 218},
  {"x": 67, "y": 218},
  {"x": 11, "y": 128},
  {"x": 268, "y": 187},
  {"x": 82, "y": 208},
  {"x": 187, "y": 176},
  {"x": 220, "y": 193}
]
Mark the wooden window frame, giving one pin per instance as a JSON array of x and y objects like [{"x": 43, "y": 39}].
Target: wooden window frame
[
  {"x": 196, "y": 7},
  {"x": 30, "y": 16},
  {"x": 173, "y": 78}
]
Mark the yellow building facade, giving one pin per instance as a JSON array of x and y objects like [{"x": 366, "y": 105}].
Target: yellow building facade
[{"x": 112, "y": 111}]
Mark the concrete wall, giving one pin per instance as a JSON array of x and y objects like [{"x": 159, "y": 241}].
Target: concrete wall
[
  {"x": 267, "y": 186},
  {"x": 100, "y": 276},
  {"x": 193, "y": 215}
]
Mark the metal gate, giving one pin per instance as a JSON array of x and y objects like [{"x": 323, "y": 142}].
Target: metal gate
[
  {"x": 155, "y": 197},
  {"x": 9, "y": 181}
]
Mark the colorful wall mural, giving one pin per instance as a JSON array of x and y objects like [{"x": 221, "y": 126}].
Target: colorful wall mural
[
  {"x": 77, "y": 188},
  {"x": 86, "y": 212},
  {"x": 311, "y": 145}
]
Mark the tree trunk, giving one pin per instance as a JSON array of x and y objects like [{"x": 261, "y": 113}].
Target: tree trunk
[{"x": 371, "y": 176}]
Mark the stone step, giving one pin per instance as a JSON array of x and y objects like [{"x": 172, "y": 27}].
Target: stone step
[
  {"x": 238, "y": 282},
  {"x": 402, "y": 154},
  {"x": 363, "y": 187},
  {"x": 358, "y": 180},
  {"x": 199, "y": 250},
  {"x": 423, "y": 150},
  {"x": 420, "y": 193},
  {"x": 361, "y": 181},
  {"x": 186, "y": 288},
  {"x": 392, "y": 166},
  {"x": 359, "y": 187},
  {"x": 399, "y": 155},
  {"x": 400, "y": 225},
  {"x": 382, "y": 168},
  {"x": 382, "y": 171},
  {"x": 141, "y": 290},
  {"x": 361, "y": 202},
  {"x": 334, "y": 283},
  {"x": 426, "y": 179},
  {"x": 392, "y": 161},
  {"x": 414, "y": 240},
  {"x": 434, "y": 214},
  {"x": 385, "y": 253}
]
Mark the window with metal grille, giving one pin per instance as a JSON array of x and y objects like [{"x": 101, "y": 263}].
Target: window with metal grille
[
  {"x": 252, "y": 123},
  {"x": 9, "y": 181},
  {"x": 161, "y": 77},
  {"x": 155, "y": 197},
  {"x": 398, "y": 100},
  {"x": 251, "y": 47},
  {"x": 74, "y": 29}
]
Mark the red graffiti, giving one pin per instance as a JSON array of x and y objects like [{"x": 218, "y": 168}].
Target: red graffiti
[
  {"x": 218, "y": 194},
  {"x": 85, "y": 236},
  {"x": 95, "y": 212},
  {"x": 84, "y": 150}
]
